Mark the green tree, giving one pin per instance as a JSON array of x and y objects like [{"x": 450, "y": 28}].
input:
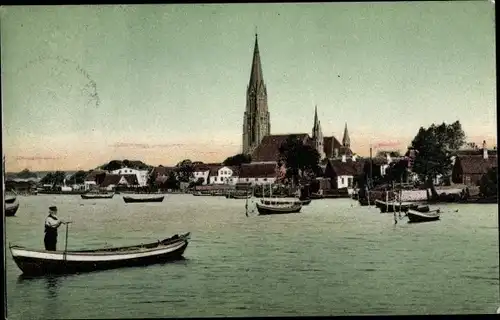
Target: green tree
[
  {"x": 54, "y": 178},
  {"x": 113, "y": 165},
  {"x": 397, "y": 171},
  {"x": 78, "y": 177},
  {"x": 433, "y": 147},
  {"x": 237, "y": 160},
  {"x": 26, "y": 174},
  {"x": 172, "y": 182},
  {"x": 301, "y": 160},
  {"x": 488, "y": 185},
  {"x": 185, "y": 170},
  {"x": 394, "y": 153}
]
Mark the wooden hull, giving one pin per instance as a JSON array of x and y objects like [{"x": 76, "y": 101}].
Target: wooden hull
[
  {"x": 364, "y": 202},
  {"x": 35, "y": 263},
  {"x": 142, "y": 200},
  {"x": 268, "y": 210},
  {"x": 10, "y": 200},
  {"x": 306, "y": 202},
  {"x": 11, "y": 209},
  {"x": 416, "y": 216},
  {"x": 97, "y": 196},
  {"x": 394, "y": 207}
]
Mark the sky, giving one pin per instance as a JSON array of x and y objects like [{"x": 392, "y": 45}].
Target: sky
[{"x": 82, "y": 85}]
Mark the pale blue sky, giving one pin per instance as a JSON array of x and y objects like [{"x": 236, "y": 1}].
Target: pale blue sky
[{"x": 174, "y": 76}]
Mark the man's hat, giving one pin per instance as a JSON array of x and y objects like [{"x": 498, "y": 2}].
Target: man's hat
[{"x": 53, "y": 208}]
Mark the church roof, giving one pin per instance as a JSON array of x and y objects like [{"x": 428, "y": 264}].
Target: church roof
[
  {"x": 268, "y": 149},
  {"x": 258, "y": 170}
]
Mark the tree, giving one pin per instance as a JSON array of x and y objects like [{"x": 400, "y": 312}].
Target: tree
[
  {"x": 397, "y": 171},
  {"x": 301, "y": 160},
  {"x": 185, "y": 169},
  {"x": 54, "y": 178},
  {"x": 78, "y": 177},
  {"x": 26, "y": 174},
  {"x": 433, "y": 147},
  {"x": 113, "y": 165},
  {"x": 237, "y": 160},
  {"x": 172, "y": 182},
  {"x": 393, "y": 154},
  {"x": 488, "y": 185}
]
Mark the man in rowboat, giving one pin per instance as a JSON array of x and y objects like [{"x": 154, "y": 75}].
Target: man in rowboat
[{"x": 51, "y": 225}]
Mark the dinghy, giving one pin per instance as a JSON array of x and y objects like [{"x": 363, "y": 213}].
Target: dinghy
[
  {"x": 10, "y": 200},
  {"x": 11, "y": 209},
  {"x": 278, "y": 206},
  {"x": 97, "y": 196},
  {"x": 41, "y": 262},
  {"x": 419, "y": 216},
  {"x": 145, "y": 199}
]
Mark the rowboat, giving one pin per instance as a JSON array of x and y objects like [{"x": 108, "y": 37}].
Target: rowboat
[
  {"x": 238, "y": 196},
  {"x": 394, "y": 206},
  {"x": 305, "y": 202},
  {"x": 10, "y": 200},
  {"x": 146, "y": 199},
  {"x": 97, "y": 196},
  {"x": 278, "y": 206},
  {"x": 41, "y": 262},
  {"x": 418, "y": 216},
  {"x": 11, "y": 209}
]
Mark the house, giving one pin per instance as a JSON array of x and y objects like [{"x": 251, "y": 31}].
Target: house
[
  {"x": 161, "y": 174},
  {"x": 342, "y": 172},
  {"x": 112, "y": 181},
  {"x": 201, "y": 171},
  {"x": 142, "y": 175},
  {"x": 258, "y": 172},
  {"x": 223, "y": 175},
  {"x": 90, "y": 180},
  {"x": 469, "y": 169}
]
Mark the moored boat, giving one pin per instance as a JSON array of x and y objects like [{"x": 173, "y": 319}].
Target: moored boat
[
  {"x": 11, "y": 209},
  {"x": 41, "y": 262},
  {"x": 10, "y": 200},
  {"x": 418, "y": 216},
  {"x": 143, "y": 199},
  {"x": 238, "y": 196},
  {"x": 278, "y": 206},
  {"x": 394, "y": 206},
  {"x": 97, "y": 196}
]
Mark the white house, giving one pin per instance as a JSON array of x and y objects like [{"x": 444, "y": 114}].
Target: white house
[
  {"x": 223, "y": 175},
  {"x": 142, "y": 175},
  {"x": 258, "y": 173},
  {"x": 201, "y": 171}
]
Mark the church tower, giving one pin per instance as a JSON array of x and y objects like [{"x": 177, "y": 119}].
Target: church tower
[
  {"x": 346, "y": 141},
  {"x": 317, "y": 135},
  {"x": 256, "y": 122}
]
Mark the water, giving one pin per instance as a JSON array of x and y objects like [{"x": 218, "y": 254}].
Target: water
[{"x": 331, "y": 259}]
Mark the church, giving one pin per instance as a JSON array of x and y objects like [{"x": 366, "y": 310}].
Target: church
[{"x": 257, "y": 138}]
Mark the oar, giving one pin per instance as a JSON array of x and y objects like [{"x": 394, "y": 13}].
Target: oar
[{"x": 66, "y": 242}]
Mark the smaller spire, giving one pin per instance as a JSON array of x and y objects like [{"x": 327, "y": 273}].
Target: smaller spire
[{"x": 346, "y": 141}]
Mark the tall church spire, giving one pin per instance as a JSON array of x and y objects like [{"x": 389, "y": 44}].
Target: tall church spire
[
  {"x": 346, "y": 141},
  {"x": 256, "y": 76},
  {"x": 256, "y": 122},
  {"x": 317, "y": 134}
]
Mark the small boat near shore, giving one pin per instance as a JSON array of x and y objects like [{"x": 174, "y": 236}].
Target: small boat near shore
[
  {"x": 278, "y": 206},
  {"x": 238, "y": 196},
  {"x": 128, "y": 199},
  {"x": 97, "y": 196},
  {"x": 394, "y": 206},
  {"x": 415, "y": 216},
  {"x": 11, "y": 209},
  {"x": 10, "y": 200},
  {"x": 41, "y": 262}
]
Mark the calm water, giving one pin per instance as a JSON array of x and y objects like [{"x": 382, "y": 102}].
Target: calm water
[{"x": 332, "y": 259}]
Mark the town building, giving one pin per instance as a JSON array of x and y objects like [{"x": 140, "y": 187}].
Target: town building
[
  {"x": 468, "y": 169},
  {"x": 142, "y": 175},
  {"x": 257, "y": 173},
  {"x": 223, "y": 175}
]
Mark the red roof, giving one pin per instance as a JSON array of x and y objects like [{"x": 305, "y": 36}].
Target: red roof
[
  {"x": 476, "y": 164},
  {"x": 268, "y": 149},
  {"x": 258, "y": 170},
  {"x": 114, "y": 179},
  {"x": 348, "y": 168},
  {"x": 331, "y": 143}
]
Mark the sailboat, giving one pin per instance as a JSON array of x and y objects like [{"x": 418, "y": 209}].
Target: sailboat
[{"x": 278, "y": 205}]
